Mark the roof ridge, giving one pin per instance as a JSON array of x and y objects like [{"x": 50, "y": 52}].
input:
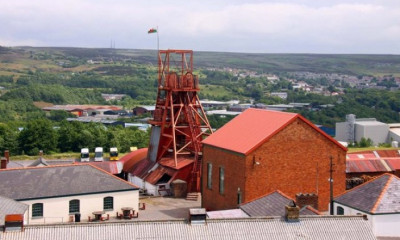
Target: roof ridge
[
  {"x": 35, "y": 167},
  {"x": 124, "y": 181},
  {"x": 267, "y": 194},
  {"x": 356, "y": 187},
  {"x": 313, "y": 209},
  {"x": 382, "y": 194}
]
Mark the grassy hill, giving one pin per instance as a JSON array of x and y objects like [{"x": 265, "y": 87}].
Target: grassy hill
[{"x": 18, "y": 60}]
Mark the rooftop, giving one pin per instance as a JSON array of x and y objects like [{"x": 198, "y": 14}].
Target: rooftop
[
  {"x": 373, "y": 161},
  {"x": 272, "y": 204},
  {"x": 321, "y": 227},
  {"x": 377, "y": 196},
  {"x": 10, "y": 206},
  {"x": 56, "y": 181},
  {"x": 252, "y": 128}
]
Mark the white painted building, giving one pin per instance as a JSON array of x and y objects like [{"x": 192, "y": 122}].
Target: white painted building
[
  {"x": 353, "y": 130},
  {"x": 67, "y": 193},
  {"x": 378, "y": 200}
]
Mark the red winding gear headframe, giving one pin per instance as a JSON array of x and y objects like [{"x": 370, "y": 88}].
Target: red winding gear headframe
[{"x": 179, "y": 122}]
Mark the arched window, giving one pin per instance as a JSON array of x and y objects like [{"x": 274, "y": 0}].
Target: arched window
[
  {"x": 339, "y": 211},
  {"x": 37, "y": 210},
  {"x": 74, "y": 206},
  {"x": 108, "y": 203}
]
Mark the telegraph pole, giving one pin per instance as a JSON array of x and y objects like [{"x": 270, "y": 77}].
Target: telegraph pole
[{"x": 331, "y": 185}]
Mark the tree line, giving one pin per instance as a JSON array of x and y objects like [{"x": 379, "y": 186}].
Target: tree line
[{"x": 43, "y": 134}]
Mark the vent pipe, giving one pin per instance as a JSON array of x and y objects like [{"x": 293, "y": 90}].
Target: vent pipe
[{"x": 197, "y": 216}]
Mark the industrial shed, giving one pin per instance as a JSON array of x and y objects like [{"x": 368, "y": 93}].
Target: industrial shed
[{"x": 261, "y": 151}]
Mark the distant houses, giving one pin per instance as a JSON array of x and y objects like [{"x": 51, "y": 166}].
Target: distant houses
[
  {"x": 140, "y": 110},
  {"x": 83, "y": 110}
]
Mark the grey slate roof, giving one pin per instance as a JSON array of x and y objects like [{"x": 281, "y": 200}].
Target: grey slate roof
[
  {"x": 378, "y": 196},
  {"x": 9, "y": 206},
  {"x": 272, "y": 204},
  {"x": 56, "y": 181},
  {"x": 39, "y": 162},
  {"x": 321, "y": 227}
]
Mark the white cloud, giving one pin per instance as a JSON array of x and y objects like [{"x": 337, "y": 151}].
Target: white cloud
[{"x": 255, "y": 26}]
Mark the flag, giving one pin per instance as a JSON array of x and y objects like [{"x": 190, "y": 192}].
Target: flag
[{"x": 152, "y": 30}]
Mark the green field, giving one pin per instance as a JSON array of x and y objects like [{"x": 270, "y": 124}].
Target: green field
[{"x": 29, "y": 58}]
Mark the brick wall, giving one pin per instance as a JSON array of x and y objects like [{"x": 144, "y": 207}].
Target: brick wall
[
  {"x": 294, "y": 160},
  {"x": 234, "y": 165}
]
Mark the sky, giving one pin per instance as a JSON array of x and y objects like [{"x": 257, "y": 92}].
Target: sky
[{"x": 253, "y": 26}]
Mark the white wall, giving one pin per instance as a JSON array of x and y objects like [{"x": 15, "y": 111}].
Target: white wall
[
  {"x": 56, "y": 210},
  {"x": 387, "y": 225},
  {"x": 150, "y": 188},
  {"x": 377, "y": 133},
  {"x": 382, "y": 225},
  {"x": 341, "y": 130}
]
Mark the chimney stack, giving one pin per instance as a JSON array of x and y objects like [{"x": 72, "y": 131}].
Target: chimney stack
[
  {"x": 7, "y": 155},
  {"x": 292, "y": 212},
  {"x": 307, "y": 199},
  {"x": 3, "y": 164},
  {"x": 5, "y": 160}
]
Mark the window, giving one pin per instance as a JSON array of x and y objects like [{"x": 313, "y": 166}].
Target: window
[
  {"x": 221, "y": 180},
  {"x": 108, "y": 203},
  {"x": 209, "y": 175},
  {"x": 37, "y": 210},
  {"x": 74, "y": 206},
  {"x": 339, "y": 211}
]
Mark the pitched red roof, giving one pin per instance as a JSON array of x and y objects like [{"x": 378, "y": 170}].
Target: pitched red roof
[
  {"x": 253, "y": 127},
  {"x": 130, "y": 159}
]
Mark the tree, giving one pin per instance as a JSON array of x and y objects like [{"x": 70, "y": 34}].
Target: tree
[
  {"x": 38, "y": 135},
  {"x": 8, "y": 139}
]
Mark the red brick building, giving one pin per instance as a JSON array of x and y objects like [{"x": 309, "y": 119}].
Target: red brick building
[{"x": 261, "y": 151}]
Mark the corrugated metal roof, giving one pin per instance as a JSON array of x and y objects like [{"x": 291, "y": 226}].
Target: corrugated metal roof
[
  {"x": 231, "y": 213},
  {"x": 157, "y": 173},
  {"x": 373, "y": 161},
  {"x": 253, "y": 127},
  {"x": 54, "y": 181},
  {"x": 130, "y": 159},
  {"x": 113, "y": 167},
  {"x": 141, "y": 168},
  {"x": 393, "y": 163},
  {"x": 181, "y": 162},
  {"x": 326, "y": 227},
  {"x": 70, "y": 107},
  {"x": 367, "y": 165},
  {"x": 10, "y": 206}
]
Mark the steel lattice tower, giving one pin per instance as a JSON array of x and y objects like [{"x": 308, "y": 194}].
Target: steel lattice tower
[{"x": 179, "y": 122}]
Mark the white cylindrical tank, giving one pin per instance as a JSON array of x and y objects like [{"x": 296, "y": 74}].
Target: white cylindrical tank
[{"x": 395, "y": 144}]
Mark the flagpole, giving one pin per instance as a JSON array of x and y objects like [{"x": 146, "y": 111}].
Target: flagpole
[{"x": 158, "y": 42}]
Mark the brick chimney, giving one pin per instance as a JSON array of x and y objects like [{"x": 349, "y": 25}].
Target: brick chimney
[
  {"x": 307, "y": 199},
  {"x": 3, "y": 164},
  {"x": 7, "y": 155},
  {"x": 5, "y": 160},
  {"x": 292, "y": 212}
]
